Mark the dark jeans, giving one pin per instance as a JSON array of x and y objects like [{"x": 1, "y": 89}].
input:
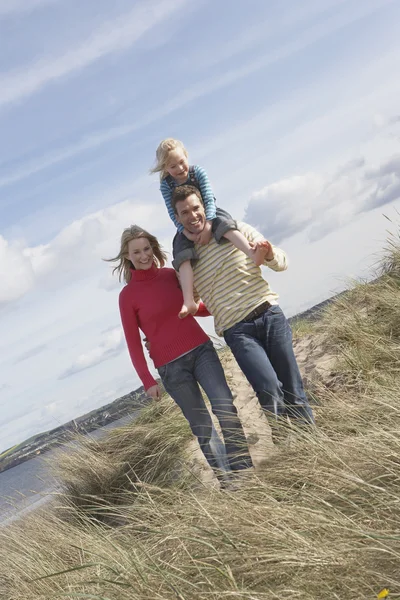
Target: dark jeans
[
  {"x": 183, "y": 248},
  {"x": 264, "y": 351},
  {"x": 181, "y": 379}
]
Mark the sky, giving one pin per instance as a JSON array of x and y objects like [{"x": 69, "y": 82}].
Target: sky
[{"x": 291, "y": 107}]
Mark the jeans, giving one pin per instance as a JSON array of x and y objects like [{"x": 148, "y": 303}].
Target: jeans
[
  {"x": 263, "y": 349},
  {"x": 219, "y": 451},
  {"x": 181, "y": 379}
]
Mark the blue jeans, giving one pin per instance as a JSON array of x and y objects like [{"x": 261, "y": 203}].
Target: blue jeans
[
  {"x": 264, "y": 351},
  {"x": 219, "y": 451},
  {"x": 181, "y": 379}
]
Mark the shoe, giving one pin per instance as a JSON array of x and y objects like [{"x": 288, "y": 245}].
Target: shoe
[{"x": 237, "y": 480}]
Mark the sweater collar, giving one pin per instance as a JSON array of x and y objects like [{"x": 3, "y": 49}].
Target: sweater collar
[{"x": 144, "y": 274}]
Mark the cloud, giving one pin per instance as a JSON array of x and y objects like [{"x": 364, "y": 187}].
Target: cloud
[
  {"x": 117, "y": 36},
  {"x": 78, "y": 248},
  {"x": 12, "y": 7},
  {"x": 387, "y": 180},
  {"x": 109, "y": 283},
  {"x": 321, "y": 203},
  {"x": 205, "y": 87},
  {"x": 16, "y": 272},
  {"x": 284, "y": 22},
  {"x": 31, "y": 352},
  {"x": 112, "y": 345}
]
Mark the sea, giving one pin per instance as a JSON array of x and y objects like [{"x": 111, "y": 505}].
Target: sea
[{"x": 31, "y": 483}]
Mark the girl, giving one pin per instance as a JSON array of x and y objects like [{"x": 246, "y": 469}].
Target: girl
[
  {"x": 182, "y": 352},
  {"x": 173, "y": 166}
]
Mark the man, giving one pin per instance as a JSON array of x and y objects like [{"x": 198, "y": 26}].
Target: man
[{"x": 246, "y": 311}]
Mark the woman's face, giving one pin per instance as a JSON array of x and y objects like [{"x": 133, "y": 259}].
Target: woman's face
[{"x": 140, "y": 253}]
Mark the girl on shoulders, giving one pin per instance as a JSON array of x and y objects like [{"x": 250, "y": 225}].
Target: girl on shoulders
[{"x": 173, "y": 165}]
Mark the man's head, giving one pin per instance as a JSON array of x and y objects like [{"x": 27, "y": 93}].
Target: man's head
[{"x": 189, "y": 208}]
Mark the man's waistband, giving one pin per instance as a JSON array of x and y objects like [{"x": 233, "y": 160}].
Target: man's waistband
[{"x": 257, "y": 311}]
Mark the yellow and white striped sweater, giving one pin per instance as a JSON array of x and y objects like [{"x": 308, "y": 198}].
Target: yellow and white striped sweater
[{"x": 229, "y": 283}]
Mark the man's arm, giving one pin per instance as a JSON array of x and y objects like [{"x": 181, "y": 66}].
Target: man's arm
[{"x": 279, "y": 261}]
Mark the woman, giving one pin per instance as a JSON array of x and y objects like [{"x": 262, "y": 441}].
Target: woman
[{"x": 182, "y": 352}]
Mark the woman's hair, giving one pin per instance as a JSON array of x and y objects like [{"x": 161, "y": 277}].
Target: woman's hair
[
  {"x": 162, "y": 152},
  {"x": 125, "y": 265}
]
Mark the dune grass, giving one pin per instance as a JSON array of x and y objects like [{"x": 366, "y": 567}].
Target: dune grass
[{"x": 321, "y": 519}]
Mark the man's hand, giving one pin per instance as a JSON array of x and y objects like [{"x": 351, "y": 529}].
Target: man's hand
[
  {"x": 268, "y": 249},
  {"x": 154, "y": 392},
  {"x": 205, "y": 236},
  {"x": 261, "y": 251}
]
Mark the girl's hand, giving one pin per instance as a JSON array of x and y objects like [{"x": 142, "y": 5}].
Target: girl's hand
[
  {"x": 260, "y": 251},
  {"x": 205, "y": 236},
  {"x": 154, "y": 392}
]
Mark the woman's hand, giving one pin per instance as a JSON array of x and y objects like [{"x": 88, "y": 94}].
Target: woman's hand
[{"x": 154, "y": 392}]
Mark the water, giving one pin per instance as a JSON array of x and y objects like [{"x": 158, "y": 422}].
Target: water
[{"x": 30, "y": 484}]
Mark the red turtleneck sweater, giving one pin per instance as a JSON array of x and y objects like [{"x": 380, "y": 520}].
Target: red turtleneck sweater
[{"x": 151, "y": 302}]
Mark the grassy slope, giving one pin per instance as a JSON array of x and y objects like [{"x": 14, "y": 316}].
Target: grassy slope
[{"x": 321, "y": 521}]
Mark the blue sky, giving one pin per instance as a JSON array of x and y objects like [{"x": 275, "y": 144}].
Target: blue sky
[{"x": 292, "y": 108}]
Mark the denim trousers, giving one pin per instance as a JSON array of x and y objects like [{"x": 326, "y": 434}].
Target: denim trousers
[
  {"x": 181, "y": 379},
  {"x": 263, "y": 349}
]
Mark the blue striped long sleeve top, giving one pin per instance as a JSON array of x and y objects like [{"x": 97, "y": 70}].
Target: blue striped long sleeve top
[{"x": 169, "y": 184}]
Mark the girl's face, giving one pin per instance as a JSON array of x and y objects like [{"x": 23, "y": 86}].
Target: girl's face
[
  {"x": 177, "y": 165},
  {"x": 140, "y": 253}
]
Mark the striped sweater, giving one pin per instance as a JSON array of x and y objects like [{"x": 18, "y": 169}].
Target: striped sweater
[{"x": 228, "y": 281}]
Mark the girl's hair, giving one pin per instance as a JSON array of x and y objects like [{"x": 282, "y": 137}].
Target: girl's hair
[
  {"x": 125, "y": 265},
  {"x": 164, "y": 148}
]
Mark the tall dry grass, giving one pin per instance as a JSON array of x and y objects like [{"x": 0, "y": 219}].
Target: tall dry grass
[{"x": 321, "y": 520}]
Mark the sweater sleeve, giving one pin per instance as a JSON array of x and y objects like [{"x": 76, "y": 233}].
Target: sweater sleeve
[
  {"x": 202, "y": 311},
  {"x": 206, "y": 192},
  {"x": 167, "y": 195},
  {"x": 279, "y": 262},
  {"x": 134, "y": 343}
]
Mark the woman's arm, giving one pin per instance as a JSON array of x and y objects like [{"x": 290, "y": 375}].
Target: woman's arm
[{"x": 134, "y": 343}]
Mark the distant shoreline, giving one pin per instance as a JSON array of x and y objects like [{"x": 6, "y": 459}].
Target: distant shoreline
[{"x": 42, "y": 442}]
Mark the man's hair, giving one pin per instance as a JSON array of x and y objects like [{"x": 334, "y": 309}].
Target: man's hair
[{"x": 182, "y": 192}]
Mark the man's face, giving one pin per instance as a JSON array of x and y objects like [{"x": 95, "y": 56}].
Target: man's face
[{"x": 190, "y": 213}]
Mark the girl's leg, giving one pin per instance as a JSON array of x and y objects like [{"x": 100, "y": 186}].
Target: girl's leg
[
  {"x": 189, "y": 306},
  {"x": 243, "y": 244},
  {"x": 224, "y": 226},
  {"x": 184, "y": 252}
]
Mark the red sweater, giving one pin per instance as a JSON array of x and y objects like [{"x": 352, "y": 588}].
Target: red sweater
[{"x": 151, "y": 302}]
